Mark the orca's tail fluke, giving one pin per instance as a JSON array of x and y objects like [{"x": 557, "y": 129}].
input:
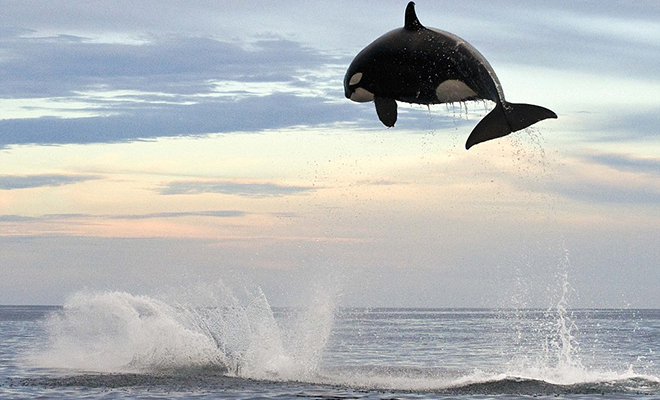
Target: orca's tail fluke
[{"x": 506, "y": 118}]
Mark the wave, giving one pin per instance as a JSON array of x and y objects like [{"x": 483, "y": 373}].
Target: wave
[
  {"x": 526, "y": 386},
  {"x": 477, "y": 382},
  {"x": 209, "y": 337},
  {"x": 214, "y": 380}
]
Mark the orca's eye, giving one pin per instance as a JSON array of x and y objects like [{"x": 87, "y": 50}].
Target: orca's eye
[{"x": 355, "y": 79}]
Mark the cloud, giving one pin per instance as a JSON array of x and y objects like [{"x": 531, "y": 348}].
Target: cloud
[
  {"x": 168, "y": 86},
  {"x": 177, "y": 81},
  {"x": 166, "y": 120},
  {"x": 213, "y": 214},
  {"x": 379, "y": 182},
  {"x": 253, "y": 190},
  {"x": 595, "y": 192},
  {"x": 13, "y": 182},
  {"x": 63, "y": 65},
  {"x": 603, "y": 179},
  {"x": 570, "y": 37},
  {"x": 15, "y": 218},
  {"x": 60, "y": 217},
  {"x": 628, "y": 125},
  {"x": 627, "y": 163}
]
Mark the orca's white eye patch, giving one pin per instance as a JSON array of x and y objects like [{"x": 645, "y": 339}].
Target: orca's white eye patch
[{"x": 355, "y": 79}]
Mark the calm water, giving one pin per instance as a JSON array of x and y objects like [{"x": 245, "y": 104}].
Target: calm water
[{"x": 116, "y": 345}]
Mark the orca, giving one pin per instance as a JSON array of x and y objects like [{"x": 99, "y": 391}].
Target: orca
[{"x": 420, "y": 65}]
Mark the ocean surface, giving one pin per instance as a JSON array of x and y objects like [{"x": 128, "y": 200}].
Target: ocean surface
[{"x": 213, "y": 344}]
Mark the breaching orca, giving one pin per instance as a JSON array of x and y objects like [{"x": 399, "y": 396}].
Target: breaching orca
[{"x": 423, "y": 65}]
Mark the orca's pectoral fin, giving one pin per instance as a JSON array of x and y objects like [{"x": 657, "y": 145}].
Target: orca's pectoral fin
[{"x": 386, "y": 110}]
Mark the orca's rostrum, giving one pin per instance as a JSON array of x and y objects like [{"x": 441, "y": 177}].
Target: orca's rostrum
[{"x": 420, "y": 65}]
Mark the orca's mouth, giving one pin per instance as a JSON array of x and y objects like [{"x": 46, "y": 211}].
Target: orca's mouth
[{"x": 347, "y": 93}]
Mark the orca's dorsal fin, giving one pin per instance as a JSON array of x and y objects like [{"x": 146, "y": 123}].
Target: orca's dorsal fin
[{"x": 411, "y": 21}]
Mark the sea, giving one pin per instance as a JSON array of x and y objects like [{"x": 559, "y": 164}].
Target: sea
[{"x": 214, "y": 344}]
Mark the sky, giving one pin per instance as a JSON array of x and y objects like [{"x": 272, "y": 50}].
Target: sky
[{"x": 149, "y": 146}]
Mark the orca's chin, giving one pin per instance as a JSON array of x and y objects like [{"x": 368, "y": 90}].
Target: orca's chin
[{"x": 361, "y": 95}]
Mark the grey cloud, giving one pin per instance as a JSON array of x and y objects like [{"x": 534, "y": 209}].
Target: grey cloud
[
  {"x": 631, "y": 125},
  {"x": 380, "y": 182},
  {"x": 184, "y": 68},
  {"x": 12, "y": 182},
  {"x": 42, "y": 218},
  {"x": 254, "y": 190},
  {"x": 623, "y": 162},
  {"x": 163, "y": 120},
  {"x": 600, "y": 193},
  {"x": 64, "y": 64},
  {"x": 214, "y": 214},
  {"x": 623, "y": 125},
  {"x": 615, "y": 189},
  {"x": 15, "y": 218},
  {"x": 52, "y": 217},
  {"x": 10, "y": 32},
  {"x": 533, "y": 32},
  {"x": 561, "y": 35},
  {"x": 173, "y": 78},
  {"x": 550, "y": 43}
]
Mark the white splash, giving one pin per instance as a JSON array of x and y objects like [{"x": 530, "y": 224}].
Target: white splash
[
  {"x": 208, "y": 327},
  {"x": 556, "y": 357}
]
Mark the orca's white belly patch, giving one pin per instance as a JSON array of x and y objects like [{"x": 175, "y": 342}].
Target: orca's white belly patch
[{"x": 453, "y": 90}]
